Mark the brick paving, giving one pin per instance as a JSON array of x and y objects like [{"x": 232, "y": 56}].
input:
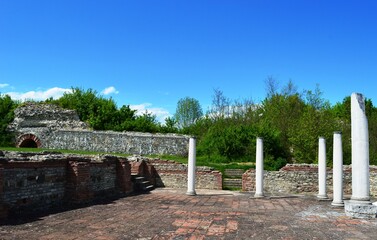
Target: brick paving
[{"x": 170, "y": 214}]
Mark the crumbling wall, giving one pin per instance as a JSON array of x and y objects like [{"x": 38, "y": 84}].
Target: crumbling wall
[
  {"x": 29, "y": 182},
  {"x": 52, "y": 127},
  {"x": 174, "y": 175},
  {"x": 302, "y": 178},
  {"x": 32, "y": 181},
  {"x": 119, "y": 142}
]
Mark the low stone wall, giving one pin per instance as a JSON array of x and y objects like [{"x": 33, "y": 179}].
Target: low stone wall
[
  {"x": 33, "y": 182},
  {"x": 302, "y": 178},
  {"x": 174, "y": 175},
  {"x": 36, "y": 181}
]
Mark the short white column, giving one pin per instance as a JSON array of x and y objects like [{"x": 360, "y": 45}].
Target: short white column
[
  {"x": 360, "y": 149},
  {"x": 337, "y": 170},
  {"x": 191, "y": 167},
  {"x": 322, "y": 168},
  {"x": 259, "y": 169}
]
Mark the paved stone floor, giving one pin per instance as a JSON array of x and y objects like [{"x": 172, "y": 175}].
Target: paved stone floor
[{"x": 170, "y": 214}]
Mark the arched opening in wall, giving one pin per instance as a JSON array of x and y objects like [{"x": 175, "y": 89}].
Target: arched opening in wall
[{"x": 28, "y": 141}]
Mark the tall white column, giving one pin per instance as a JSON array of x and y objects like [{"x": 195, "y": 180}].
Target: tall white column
[
  {"x": 191, "y": 167},
  {"x": 337, "y": 170},
  {"x": 322, "y": 168},
  {"x": 259, "y": 169},
  {"x": 360, "y": 149}
]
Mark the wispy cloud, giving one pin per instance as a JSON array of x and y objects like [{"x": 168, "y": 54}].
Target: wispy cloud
[
  {"x": 160, "y": 113},
  {"x": 55, "y": 93},
  {"x": 4, "y": 85},
  {"x": 109, "y": 90}
]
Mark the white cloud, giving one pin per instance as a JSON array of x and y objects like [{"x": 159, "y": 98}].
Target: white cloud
[
  {"x": 3, "y": 85},
  {"x": 110, "y": 90},
  {"x": 160, "y": 113},
  {"x": 55, "y": 93}
]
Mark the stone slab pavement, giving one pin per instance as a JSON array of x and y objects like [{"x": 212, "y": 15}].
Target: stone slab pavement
[{"x": 171, "y": 214}]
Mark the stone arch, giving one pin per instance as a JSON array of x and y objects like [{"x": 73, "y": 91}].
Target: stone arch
[{"x": 28, "y": 141}]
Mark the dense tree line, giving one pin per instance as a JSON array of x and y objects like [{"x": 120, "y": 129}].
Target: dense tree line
[{"x": 289, "y": 121}]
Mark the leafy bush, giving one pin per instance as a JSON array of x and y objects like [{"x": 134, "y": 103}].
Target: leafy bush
[{"x": 7, "y": 106}]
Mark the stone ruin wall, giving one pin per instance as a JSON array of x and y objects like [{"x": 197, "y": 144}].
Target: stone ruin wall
[
  {"x": 52, "y": 127},
  {"x": 302, "y": 178},
  {"x": 117, "y": 142},
  {"x": 32, "y": 182},
  {"x": 171, "y": 174},
  {"x": 36, "y": 181},
  {"x": 174, "y": 175}
]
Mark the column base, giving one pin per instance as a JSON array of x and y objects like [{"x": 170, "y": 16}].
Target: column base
[
  {"x": 360, "y": 209},
  {"x": 258, "y": 195},
  {"x": 321, "y": 196},
  {"x": 191, "y": 193},
  {"x": 338, "y": 204}
]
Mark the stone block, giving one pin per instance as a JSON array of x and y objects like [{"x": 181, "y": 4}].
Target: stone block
[{"x": 360, "y": 210}]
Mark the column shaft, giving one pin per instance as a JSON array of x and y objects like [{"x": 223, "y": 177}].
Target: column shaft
[
  {"x": 337, "y": 170},
  {"x": 259, "y": 169},
  {"x": 360, "y": 149},
  {"x": 191, "y": 167},
  {"x": 322, "y": 168}
]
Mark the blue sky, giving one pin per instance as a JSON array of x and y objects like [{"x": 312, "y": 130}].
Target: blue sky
[{"x": 149, "y": 54}]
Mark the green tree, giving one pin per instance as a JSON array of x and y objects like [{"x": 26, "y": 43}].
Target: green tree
[
  {"x": 281, "y": 111},
  {"x": 145, "y": 123},
  {"x": 188, "y": 111},
  {"x": 169, "y": 126},
  {"x": 221, "y": 106},
  {"x": 100, "y": 113},
  {"x": 7, "y": 107}
]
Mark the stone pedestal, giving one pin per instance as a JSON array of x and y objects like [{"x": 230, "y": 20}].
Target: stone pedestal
[
  {"x": 259, "y": 169},
  {"x": 360, "y": 209},
  {"x": 337, "y": 170},
  {"x": 191, "y": 168},
  {"x": 322, "y": 169}
]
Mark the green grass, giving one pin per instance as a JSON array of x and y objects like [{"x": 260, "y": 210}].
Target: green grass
[
  {"x": 37, "y": 150},
  {"x": 200, "y": 160},
  {"x": 205, "y": 161}
]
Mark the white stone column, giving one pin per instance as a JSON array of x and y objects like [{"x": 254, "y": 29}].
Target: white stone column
[
  {"x": 360, "y": 149},
  {"x": 259, "y": 169},
  {"x": 337, "y": 170},
  {"x": 322, "y": 168},
  {"x": 191, "y": 168}
]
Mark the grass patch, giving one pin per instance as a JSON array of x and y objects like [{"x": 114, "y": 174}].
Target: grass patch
[
  {"x": 39, "y": 150},
  {"x": 200, "y": 160},
  {"x": 205, "y": 161},
  {"x": 232, "y": 188}
]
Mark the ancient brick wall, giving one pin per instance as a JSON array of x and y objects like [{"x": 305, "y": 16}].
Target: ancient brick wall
[
  {"x": 29, "y": 182},
  {"x": 33, "y": 184},
  {"x": 32, "y": 181},
  {"x": 302, "y": 178},
  {"x": 102, "y": 177},
  {"x": 174, "y": 175}
]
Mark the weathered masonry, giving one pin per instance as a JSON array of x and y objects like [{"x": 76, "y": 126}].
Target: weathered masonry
[
  {"x": 301, "y": 179},
  {"x": 36, "y": 181},
  {"x": 51, "y": 127}
]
